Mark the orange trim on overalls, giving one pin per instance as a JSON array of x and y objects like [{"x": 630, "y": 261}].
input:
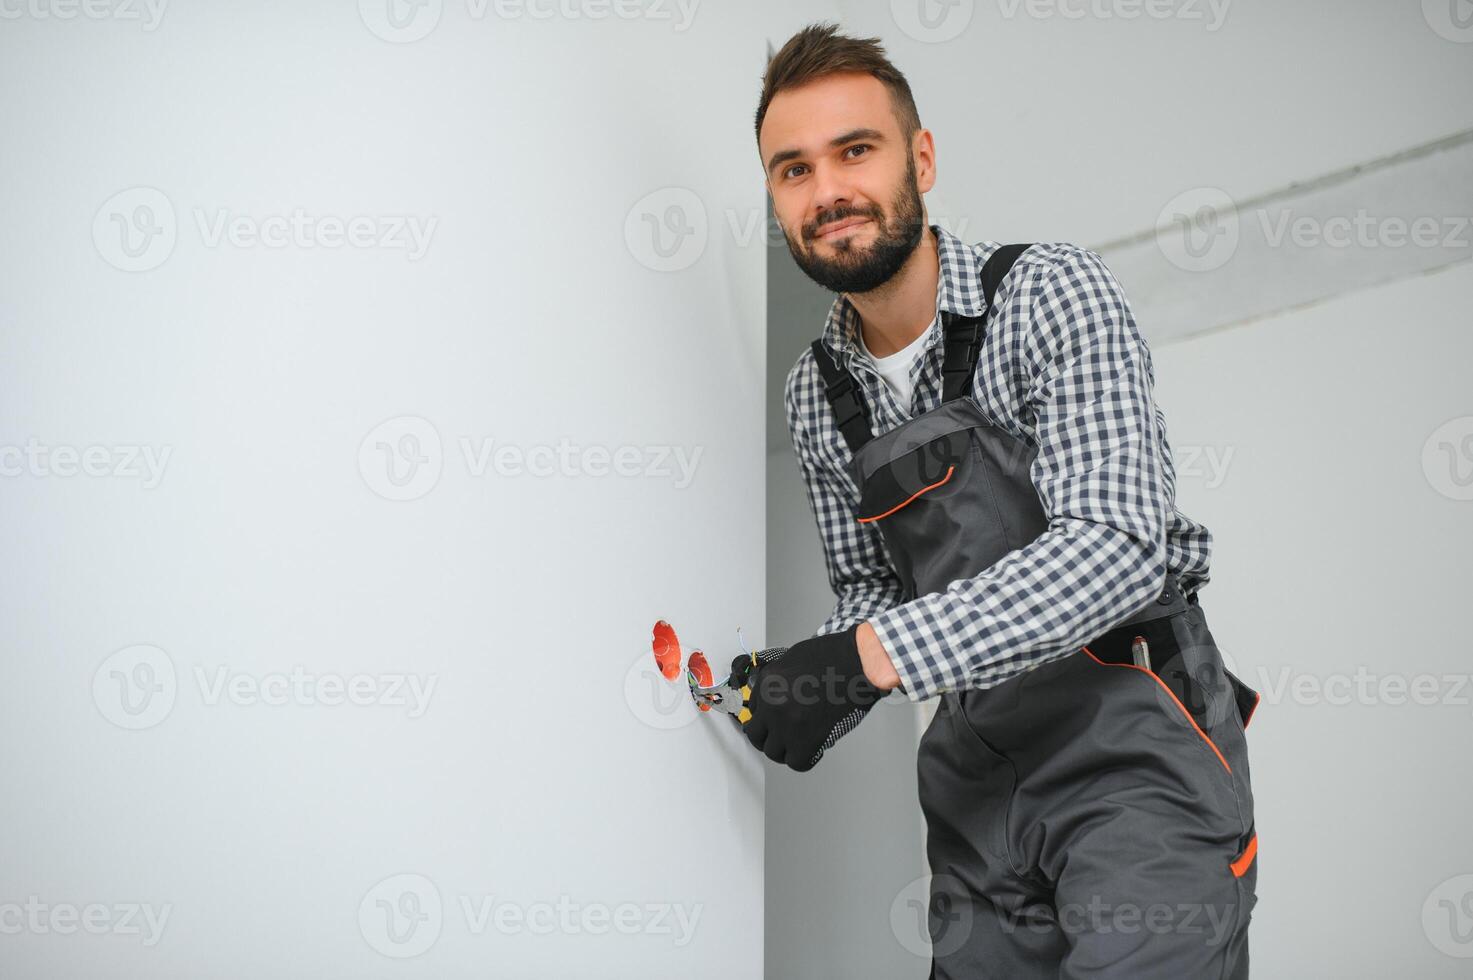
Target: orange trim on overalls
[
  {"x": 1151, "y": 674},
  {"x": 1240, "y": 866},
  {"x": 949, "y": 471}
]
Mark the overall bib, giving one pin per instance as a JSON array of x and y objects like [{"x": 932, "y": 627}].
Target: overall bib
[{"x": 1090, "y": 817}]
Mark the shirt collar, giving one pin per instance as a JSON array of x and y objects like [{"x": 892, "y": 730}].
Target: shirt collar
[{"x": 956, "y": 292}]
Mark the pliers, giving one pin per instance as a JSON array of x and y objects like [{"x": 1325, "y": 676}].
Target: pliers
[{"x": 723, "y": 697}]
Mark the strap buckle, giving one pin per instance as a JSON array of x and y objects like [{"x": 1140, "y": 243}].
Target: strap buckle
[
  {"x": 844, "y": 399},
  {"x": 963, "y": 346}
]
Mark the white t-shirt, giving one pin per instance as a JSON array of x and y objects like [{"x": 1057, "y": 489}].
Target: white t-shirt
[{"x": 895, "y": 368}]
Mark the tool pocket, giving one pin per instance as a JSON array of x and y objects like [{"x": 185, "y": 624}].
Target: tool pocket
[
  {"x": 1195, "y": 690},
  {"x": 938, "y": 468},
  {"x": 1188, "y": 715}
]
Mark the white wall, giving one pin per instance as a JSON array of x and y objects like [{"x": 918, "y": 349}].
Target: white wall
[
  {"x": 1080, "y": 120},
  {"x": 1309, "y": 444},
  {"x": 543, "y": 775}
]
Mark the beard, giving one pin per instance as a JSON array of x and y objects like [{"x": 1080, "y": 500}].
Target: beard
[{"x": 858, "y": 268}]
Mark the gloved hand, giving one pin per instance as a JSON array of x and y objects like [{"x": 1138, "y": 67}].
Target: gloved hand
[{"x": 804, "y": 697}]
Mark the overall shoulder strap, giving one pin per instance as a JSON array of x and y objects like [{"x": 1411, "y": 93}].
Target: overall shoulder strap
[
  {"x": 843, "y": 397},
  {"x": 964, "y": 334}
]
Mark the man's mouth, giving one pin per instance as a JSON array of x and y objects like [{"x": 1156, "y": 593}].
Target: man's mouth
[{"x": 839, "y": 227}]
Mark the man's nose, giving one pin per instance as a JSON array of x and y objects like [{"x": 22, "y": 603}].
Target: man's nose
[{"x": 831, "y": 194}]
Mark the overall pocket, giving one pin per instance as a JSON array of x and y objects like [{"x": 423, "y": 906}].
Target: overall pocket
[
  {"x": 952, "y": 506},
  {"x": 1196, "y": 690},
  {"x": 1201, "y": 777},
  {"x": 926, "y": 469},
  {"x": 1170, "y": 704},
  {"x": 917, "y": 501}
]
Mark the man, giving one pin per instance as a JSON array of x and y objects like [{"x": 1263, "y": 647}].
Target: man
[{"x": 995, "y": 495}]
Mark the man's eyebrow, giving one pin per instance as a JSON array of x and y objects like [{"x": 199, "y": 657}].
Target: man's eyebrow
[{"x": 783, "y": 156}]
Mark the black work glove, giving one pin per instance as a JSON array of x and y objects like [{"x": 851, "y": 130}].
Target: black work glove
[{"x": 805, "y": 697}]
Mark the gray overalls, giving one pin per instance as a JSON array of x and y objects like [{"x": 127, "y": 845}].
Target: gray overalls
[{"x": 1092, "y": 816}]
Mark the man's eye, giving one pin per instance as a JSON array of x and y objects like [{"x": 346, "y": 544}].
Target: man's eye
[{"x": 857, "y": 146}]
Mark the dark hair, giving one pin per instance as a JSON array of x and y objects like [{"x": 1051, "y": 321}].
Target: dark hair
[{"x": 818, "y": 50}]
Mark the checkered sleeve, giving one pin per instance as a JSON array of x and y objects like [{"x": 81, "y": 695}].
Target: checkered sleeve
[
  {"x": 859, "y": 571},
  {"x": 1099, "y": 476}
]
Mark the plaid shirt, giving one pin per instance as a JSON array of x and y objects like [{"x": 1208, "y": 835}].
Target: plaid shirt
[{"x": 1063, "y": 368}]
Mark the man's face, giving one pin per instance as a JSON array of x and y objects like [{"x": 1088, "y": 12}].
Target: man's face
[{"x": 844, "y": 182}]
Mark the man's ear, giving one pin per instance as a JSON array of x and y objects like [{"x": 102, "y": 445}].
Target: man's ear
[{"x": 923, "y": 146}]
